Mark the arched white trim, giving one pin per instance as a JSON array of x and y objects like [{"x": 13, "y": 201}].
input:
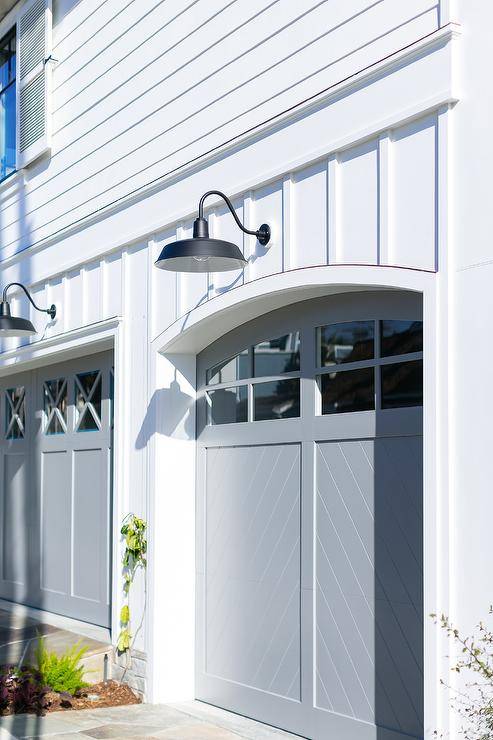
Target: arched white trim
[{"x": 197, "y": 329}]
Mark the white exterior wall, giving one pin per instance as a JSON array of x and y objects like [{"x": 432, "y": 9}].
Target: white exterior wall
[{"x": 332, "y": 122}]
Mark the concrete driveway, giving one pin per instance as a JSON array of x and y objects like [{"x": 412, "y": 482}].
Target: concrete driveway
[{"x": 189, "y": 721}]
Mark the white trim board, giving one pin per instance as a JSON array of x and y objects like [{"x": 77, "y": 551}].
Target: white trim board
[{"x": 76, "y": 343}]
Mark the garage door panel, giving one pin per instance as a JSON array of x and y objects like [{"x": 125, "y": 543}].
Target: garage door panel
[
  {"x": 253, "y": 567},
  {"x": 56, "y": 521},
  {"x": 90, "y": 525},
  {"x": 340, "y": 651},
  {"x": 343, "y": 500},
  {"x": 381, "y": 565},
  {"x": 15, "y": 519},
  {"x": 398, "y": 539},
  {"x": 340, "y": 549},
  {"x": 359, "y": 469},
  {"x": 398, "y": 667},
  {"x": 399, "y": 483}
]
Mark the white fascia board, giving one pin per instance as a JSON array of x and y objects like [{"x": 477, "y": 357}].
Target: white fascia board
[
  {"x": 370, "y": 102},
  {"x": 79, "y": 342}
]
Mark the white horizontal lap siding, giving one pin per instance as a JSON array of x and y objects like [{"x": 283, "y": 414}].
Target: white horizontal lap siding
[{"x": 158, "y": 85}]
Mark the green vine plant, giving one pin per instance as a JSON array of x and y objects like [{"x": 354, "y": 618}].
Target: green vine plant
[
  {"x": 473, "y": 703},
  {"x": 134, "y": 558}
]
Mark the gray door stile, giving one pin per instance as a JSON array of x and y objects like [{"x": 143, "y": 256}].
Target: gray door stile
[{"x": 325, "y": 512}]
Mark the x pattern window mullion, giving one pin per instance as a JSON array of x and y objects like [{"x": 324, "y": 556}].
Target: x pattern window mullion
[
  {"x": 55, "y": 410},
  {"x": 88, "y": 405},
  {"x": 16, "y": 409}
]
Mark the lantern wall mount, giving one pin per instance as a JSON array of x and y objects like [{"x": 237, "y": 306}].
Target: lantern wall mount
[
  {"x": 201, "y": 253},
  {"x": 15, "y": 326}
]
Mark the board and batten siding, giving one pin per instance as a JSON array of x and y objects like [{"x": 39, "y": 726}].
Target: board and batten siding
[
  {"x": 142, "y": 88},
  {"x": 372, "y": 204},
  {"x": 366, "y": 205}
]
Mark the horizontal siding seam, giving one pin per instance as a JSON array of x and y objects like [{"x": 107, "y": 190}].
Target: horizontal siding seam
[
  {"x": 104, "y": 26},
  {"x": 147, "y": 65},
  {"x": 79, "y": 25},
  {"x": 195, "y": 113},
  {"x": 113, "y": 41}
]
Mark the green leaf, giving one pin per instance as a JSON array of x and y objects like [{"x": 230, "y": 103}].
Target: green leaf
[
  {"x": 125, "y": 614},
  {"x": 123, "y": 643}
]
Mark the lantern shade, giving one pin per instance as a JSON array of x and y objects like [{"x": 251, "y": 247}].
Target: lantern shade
[
  {"x": 201, "y": 254},
  {"x": 13, "y": 326}
]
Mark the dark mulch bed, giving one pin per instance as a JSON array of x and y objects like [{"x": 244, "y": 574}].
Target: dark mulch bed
[
  {"x": 22, "y": 691},
  {"x": 109, "y": 694}
]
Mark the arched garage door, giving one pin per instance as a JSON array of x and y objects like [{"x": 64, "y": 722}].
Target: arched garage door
[{"x": 310, "y": 606}]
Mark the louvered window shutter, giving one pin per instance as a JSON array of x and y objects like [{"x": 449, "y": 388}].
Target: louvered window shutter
[{"x": 33, "y": 81}]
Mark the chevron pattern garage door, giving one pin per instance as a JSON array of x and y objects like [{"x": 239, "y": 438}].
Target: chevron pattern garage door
[
  {"x": 309, "y": 537},
  {"x": 369, "y": 602},
  {"x": 253, "y": 567}
]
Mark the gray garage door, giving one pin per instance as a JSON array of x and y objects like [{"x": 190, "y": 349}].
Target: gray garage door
[
  {"x": 309, "y": 565},
  {"x": 55, "y": 492}
]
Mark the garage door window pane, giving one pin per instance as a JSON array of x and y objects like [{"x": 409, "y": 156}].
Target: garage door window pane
[
  {"x": 228, "y": 405},
  {"x": 351, "y": 341},
  {"x": 55, "y": 406},
  {"x": 234, "y": 368},
  {"x": 15, "y": 413},
  {"x": 88, "y": 401},
  {"x": 401, "y": 337},
  {"x": 353, "y": 390},
  {"x": 279, "y": 399},
  {"x": 402, "y": 384},
  {"x": 276, "y": 356}
]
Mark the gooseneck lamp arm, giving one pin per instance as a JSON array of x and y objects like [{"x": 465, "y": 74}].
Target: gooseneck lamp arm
[
  {"x": 263, "y": 233},
  {"x": 5, "y": 307},
  {"x": 203, "y": 253}
]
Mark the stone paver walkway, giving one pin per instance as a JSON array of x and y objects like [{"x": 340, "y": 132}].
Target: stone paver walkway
[{"x": 188, "y": 721}]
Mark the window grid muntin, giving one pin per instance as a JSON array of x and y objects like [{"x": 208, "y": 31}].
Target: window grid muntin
[{"x": 376, "y": 363}]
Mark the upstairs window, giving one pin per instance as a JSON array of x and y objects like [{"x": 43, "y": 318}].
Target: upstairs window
[
  {"x": 7, "y": 105},
  {"x": 25, "y": 83}
]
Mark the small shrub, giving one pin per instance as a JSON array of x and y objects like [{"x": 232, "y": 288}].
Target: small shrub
[
  {"x": 472, "y": 702},
  {"x": 62, "y": 673},
  {"x": 29, "y": 692}
]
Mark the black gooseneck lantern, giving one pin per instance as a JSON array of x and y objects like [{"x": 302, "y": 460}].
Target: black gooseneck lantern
[
  {"x": 203, "y": 254},
  {"x": 15, "y": 326}
]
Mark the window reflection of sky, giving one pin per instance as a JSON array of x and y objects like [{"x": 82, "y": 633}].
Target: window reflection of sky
[{"x": 7, "y": 106}]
